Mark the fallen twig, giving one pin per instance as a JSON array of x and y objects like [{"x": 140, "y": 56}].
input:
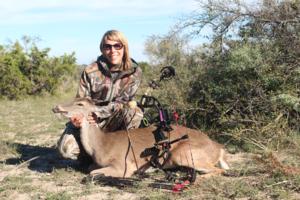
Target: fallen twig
[{"x": 3, "y": 176}]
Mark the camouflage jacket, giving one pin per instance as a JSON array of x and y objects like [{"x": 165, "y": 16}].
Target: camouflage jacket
[{"x": 109, "y": 89}]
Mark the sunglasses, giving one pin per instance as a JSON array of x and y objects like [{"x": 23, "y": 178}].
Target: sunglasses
[{"x": 116, "y": 46}]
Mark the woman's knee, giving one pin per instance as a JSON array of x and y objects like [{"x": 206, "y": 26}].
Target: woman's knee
[
  {"x": 68, "y": 144},
  {"x": 68, "y": 147}
]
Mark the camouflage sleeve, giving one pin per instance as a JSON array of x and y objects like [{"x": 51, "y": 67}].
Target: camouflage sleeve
[
  {"x": 104, "y": 112},
  {"x": 130, "y": 89},
  {"x": 84, "y": 88}
]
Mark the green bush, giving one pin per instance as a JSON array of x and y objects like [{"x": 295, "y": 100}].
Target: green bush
[{"x": 27, "y": 70}]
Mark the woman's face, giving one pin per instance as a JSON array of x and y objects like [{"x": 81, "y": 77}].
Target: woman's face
[{"x": 113, "y": 51}]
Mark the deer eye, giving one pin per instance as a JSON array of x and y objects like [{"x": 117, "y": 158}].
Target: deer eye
[{"x": 80, "y": 104}]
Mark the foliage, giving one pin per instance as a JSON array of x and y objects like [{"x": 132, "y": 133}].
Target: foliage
[
  {"x": 245, "y": 86},
  {"x": 170, "y": 50},
  {"x": 27, "y": 70}
]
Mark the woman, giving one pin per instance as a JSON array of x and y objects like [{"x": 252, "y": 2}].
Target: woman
[{"x": 111, "y": 82}]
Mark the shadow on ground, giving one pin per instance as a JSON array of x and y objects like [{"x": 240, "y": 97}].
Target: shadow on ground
[
  {"x": 159, "y": 179},
  {"x": 40, "y": 159},
  {"x": 132, "y": 182}
]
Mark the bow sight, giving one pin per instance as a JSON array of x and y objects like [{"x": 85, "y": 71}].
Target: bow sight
[{"x": 166, "y": 73}]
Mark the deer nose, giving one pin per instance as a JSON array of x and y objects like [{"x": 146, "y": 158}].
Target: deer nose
[
  {"x": 55, "y": 109},
  {"x": 58, "y": 109}
]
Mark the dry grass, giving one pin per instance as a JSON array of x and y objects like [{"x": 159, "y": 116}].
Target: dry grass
[{"x": 30, "y": 167}]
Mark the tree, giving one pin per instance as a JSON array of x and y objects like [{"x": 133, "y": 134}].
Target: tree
[
  {"x": 166, "y": 50},
  {"x": 273, "y": 21}
]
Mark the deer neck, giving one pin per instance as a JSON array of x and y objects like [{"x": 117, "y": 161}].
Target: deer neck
[{"x": 90, "y": 135}]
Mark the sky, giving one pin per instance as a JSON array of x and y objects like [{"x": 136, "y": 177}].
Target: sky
[{"x": 68, "y": 26}]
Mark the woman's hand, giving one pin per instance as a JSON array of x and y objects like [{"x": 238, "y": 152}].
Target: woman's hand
[{"x": 92, "y": 118}]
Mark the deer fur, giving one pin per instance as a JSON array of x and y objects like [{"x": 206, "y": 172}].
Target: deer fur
[{"x": 112, "y": 156}]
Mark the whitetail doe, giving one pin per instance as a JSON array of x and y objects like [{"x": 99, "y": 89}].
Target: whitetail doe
[{"x": 109, "y": 149}]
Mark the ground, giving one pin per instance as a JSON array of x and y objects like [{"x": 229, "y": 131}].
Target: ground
[{"x": 30, "y": 167}]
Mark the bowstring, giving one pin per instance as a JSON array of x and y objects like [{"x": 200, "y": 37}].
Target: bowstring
[
  {"x": 189, "y": 144},
  {"x": 129, "y": 140}
]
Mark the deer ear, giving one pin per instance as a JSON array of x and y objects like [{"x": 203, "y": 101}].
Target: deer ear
[{"x": 86, "y": 99}]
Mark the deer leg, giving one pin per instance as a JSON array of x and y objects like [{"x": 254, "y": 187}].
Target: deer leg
[
  {"x": 213, "y": 172},
  {"x": 113, "y": 171},
  {"x": 106, "y": 171}
]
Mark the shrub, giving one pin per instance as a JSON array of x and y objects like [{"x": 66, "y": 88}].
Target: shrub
[{"x": 28, "y": 70}]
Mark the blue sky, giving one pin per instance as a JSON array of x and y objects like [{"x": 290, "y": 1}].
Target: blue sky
[{"x": 78, "y": 25}]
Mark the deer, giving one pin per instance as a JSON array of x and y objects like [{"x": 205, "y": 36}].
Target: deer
[{"x": 110, "y": 150}]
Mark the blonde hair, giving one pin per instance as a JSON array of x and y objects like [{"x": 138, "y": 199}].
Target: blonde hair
[{"x": 120, "y": 37}]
